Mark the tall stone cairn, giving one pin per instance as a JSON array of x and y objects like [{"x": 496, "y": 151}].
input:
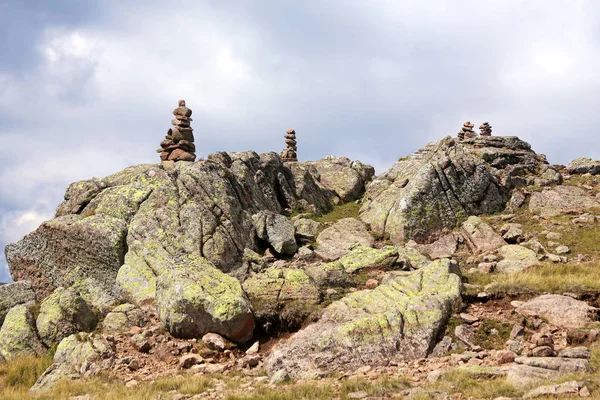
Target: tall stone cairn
[
  {"x": 467, "y": 131},
  {"x": 290, "y": 152},
  {"x": 485, "y": 129},
  {"x": 179, "y": 142}
]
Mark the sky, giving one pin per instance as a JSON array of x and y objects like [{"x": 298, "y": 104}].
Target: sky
[{"x": 87, "y": 87}]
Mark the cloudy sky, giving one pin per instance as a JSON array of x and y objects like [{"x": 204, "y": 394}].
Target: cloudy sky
[{"x": 87, "y": 87}]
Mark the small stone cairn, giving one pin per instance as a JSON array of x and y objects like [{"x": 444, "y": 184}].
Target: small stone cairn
[
  {"x": 179, "y": 142},
  {"x": 290, "y": 152},
  {"x": 467, "y": 131},
  {"x": 485, "y": 129}
]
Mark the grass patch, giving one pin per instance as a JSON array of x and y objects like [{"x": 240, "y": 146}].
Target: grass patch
[
  {"x": 485, "y": 338},
  {"x": 348, "y": 210},
  {"x": 546, "y": 277},
  {"x": 22, "y": 373},
  {"x": 470, "y": 387}
]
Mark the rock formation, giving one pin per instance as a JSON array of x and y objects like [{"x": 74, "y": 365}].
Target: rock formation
[
  {"x": 179, "y": 142},
  {"x": 466, "y": 132},
  {"x": 485, "y": 129},
  {"x": 157, "y": 256},
  {"x": 442, "y": 184},
  {"x": 290, "y": 152}
]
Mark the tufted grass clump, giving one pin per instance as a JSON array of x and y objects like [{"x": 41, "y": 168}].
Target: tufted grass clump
[
  {"x": 348, "y": 210},
  {"x": 22, "y": 372},
  {"x": 472, "y": 387}
]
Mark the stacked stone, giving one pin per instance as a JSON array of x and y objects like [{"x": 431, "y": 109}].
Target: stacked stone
[
  {"x": 290, "y": 152},
  {"x": 467, "y": 131},
  {"x": 179, "y": 142},
  {"x": 486, "y": 129}
]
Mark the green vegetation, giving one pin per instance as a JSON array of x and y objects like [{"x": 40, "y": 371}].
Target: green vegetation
[
  {"x": 348, "y": 210},
  {"x": 478, "y": 388}
]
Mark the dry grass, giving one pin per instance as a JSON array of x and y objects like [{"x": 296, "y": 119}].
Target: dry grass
[{"x": 547, "y": 277}]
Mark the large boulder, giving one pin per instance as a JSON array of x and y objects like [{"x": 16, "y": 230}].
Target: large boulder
[
  {"x": 77, "y": 356},
  {"x": 563, "y": 311},
  {"x": 480, "y": 237},
  {"x": 388, "y": 257},
  {"x": 516, "y": 258},
  {"x": 18, "y": 336},
  {"x": 122, "y": 317},
  {"x": 399, "y": 320},
  {"x": 345, "y": 179},
  {"x": 277, "y": 231},
  {"x": 584, "y": 165},
  {"x": 282, "y": 298},
  {"x": 442, "y": 184},
  {"x": 72, "y": 250},
  {"x": 335, "y": 241},
  {"x": 13, "y": 294},
  {"x": 194, "y": 298},
  {"x": 62, "y": 314},
  {"x": 561, "y": 199}
]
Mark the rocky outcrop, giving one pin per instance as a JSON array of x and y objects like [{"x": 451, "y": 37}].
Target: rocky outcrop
[
  {"x": 282, "y": 298},
  {"x": 72, "y": 250},
  {"x": 13, "y": 294},
  {"x": 399, "y": 320},
  {"x": 334, "y": 242},
  {"x": 584, "y": 165},
  {"x": 560, "y": 310},
  {"x": 129, "y": 227},
  {"x": 561, "y": 199},
  {"x": 18, "y": 336},
  {"x": 62, "y": 314},
  {"x": 194, "y": 298},
  {"x": 442, "y": 184},
  {"x": 77, "y": 356},
  {"x": 345, "y": 179}
]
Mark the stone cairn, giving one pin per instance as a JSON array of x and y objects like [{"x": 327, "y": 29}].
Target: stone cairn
[
  {"x": 467, "y": 131},
  {"x": 289, "y": 153},
  {"x": 179, "y": 142},
  {"x": 486, "y": 129}
]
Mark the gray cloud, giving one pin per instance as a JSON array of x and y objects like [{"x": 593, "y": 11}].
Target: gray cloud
[{"x": 90, "y": 89}]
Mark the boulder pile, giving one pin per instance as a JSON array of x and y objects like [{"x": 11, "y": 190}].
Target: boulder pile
[
  {"x": 466, "y": 132},
  {"x": 290, "y": 152},
  {"x": 485, "y": 129},
  {"x": 179, "y": 142}
]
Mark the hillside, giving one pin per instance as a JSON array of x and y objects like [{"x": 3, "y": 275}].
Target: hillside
[{"x": 469, "y": 269}]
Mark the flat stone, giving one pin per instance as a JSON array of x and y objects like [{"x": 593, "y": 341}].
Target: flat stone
[
  {"x": 567, "y": 388},
  {"x": 565, "y": 365},
  {"x": 563, "y": 311},
  {"x": 515, "y": 258},
  {"x": 468, "y": 318},
  {"x": 575, "y": 352}
]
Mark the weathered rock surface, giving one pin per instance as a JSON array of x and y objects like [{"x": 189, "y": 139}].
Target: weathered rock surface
[
  {"x": 480, "y": 237},
  {"x": 584, "y": 165},
  {"x": 515, "y": 258},
  {"x": 307, "y": 230},
  {"x": 335, "y": 241},
  {"x": 77, "y": 356},
  {"x": 282, "y": 298},
  {"x": 132, "y": 227},
  {"x": 346, "y": 179},
  {"x": 560, "y": 310},
  {"x": 442, "y": 184},
  {"x": 72, "y": 250},
  {"x": 276, "y": 230},
  {"x": 13, "y": 294},
  {"x": 62, "y": 314},
  {"x": 18, "y": 336},
  {"x": 194, "y": 298},
  {"x": 123, "y": 317},
  {"x": 567, "y": 388},
  {"x": 561, "y": 199},
  {"x": 398, "y": 320}
]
